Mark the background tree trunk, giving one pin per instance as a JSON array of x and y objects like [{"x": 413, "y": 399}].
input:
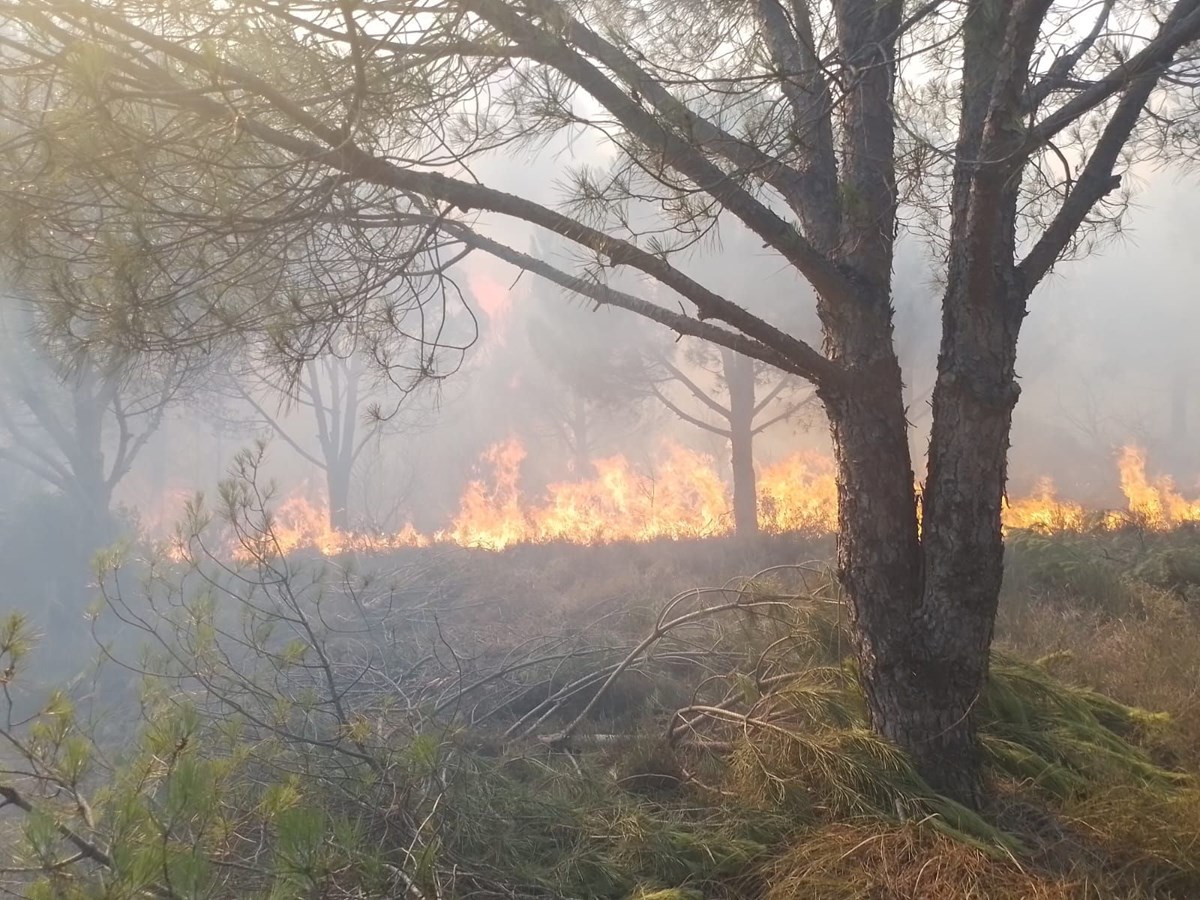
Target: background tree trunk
[
  {"x": 91, "y": 490},
  {"x": 581, "y": 444},
  {"x": 337, "y": 484},
  {"x": 739, "y": 376}
]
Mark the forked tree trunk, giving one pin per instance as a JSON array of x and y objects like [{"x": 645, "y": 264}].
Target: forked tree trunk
[
  {"x": 925, "y": 599},
  {"x": 923, "y": 605},
  {"x": 912, "y": 654}
]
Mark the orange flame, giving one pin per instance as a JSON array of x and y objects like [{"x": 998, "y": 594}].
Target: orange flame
[
  {"x": 1153, "y": 504},
  {"x": 298, "y": 524},
  {"x": 797, "y": 494},
  {"x": 1043, "y": 511},
  {"x": 684, "y": 497}
]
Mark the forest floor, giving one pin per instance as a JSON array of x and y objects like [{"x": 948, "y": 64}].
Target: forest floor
[{"x": 673, "y": 721}]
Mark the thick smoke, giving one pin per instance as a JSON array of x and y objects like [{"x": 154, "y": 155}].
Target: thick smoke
[{"x": 1106, "y": 361}]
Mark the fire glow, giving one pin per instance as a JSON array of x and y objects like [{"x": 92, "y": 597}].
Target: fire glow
[{"x": 686, "y": 497}]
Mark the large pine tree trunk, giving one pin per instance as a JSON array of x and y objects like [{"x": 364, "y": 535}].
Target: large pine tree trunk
[
  {"x": 879, "y": 555},
  {"x": 923, "y": 606},
  {"x": 911, "y": 676},
  {"x": 964, "y": 492},
  {"x": 973, "y": 401}
]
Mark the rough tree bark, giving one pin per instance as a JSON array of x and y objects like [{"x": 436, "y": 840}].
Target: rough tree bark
[{"x": 925, "y": 603}]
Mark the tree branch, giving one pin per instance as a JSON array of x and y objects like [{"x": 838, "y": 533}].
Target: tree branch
[
  {"x": 813, "y": 367},
  {"x": 47, "y": 470},
  {"x": 342, "y": 154},
  {"x": 769, "y": 396},
  {"x": 1062, "y": 67},
  {"x": 794, "y": 54},
  {"x": 786, "y": 414},
  {"x": 37, "y": 461},
  {"x": 830, "y": 281},
  {"x": 92, "y": 851},
  {"x": 1181, "y": 27},
  {"x": 696, "y": 391},
  {"x": 1095, "y": 182},
  {"x": 277, "y": 428},
  {"x": 687, "y": 417}
]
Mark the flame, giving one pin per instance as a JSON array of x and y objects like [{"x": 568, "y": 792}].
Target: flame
[
  {"x": 684, "y": 496},
  {"x": 491, "y": 516},
  {"x": 798, "y": 494},
  {"x": 1153, "y": 504},
  {"x": 1043, "y": 511},
  {"x": 299, "y": 524}
]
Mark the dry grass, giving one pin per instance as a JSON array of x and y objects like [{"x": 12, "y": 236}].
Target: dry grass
[
  {"x": 1148, "y": 656},
  {"x": 1087, "y": 803},
  {"x": 879, "y": 861},
  {"x": 783, "y": 793},
  {"x": 1084, "y": 809}
]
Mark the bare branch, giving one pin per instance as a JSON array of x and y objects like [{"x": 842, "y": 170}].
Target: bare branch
[
  {"x": 828, "y": 280},
  {"x": 89, "y": 849},
  {"x": 687, "y": 417},
  {"x": 1060, "y": 70},
  {"x": 787, "y": 413},
  {"x": 694, "y": 389},
  {"x": 795, "y": 57},
  {"x": 1095, "y": 182},
  {"x": 677, "y": 322},
  {"x": 1181, "y": 27}
]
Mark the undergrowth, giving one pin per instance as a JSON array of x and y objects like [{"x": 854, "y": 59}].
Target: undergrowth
[{"x": 546, "y": 748}]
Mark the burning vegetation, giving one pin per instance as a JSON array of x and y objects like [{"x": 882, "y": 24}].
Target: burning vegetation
[{"x": 685, "y": 497}]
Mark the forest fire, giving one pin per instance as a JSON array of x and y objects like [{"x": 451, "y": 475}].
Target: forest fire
[{"x": 685, "y": 497}]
